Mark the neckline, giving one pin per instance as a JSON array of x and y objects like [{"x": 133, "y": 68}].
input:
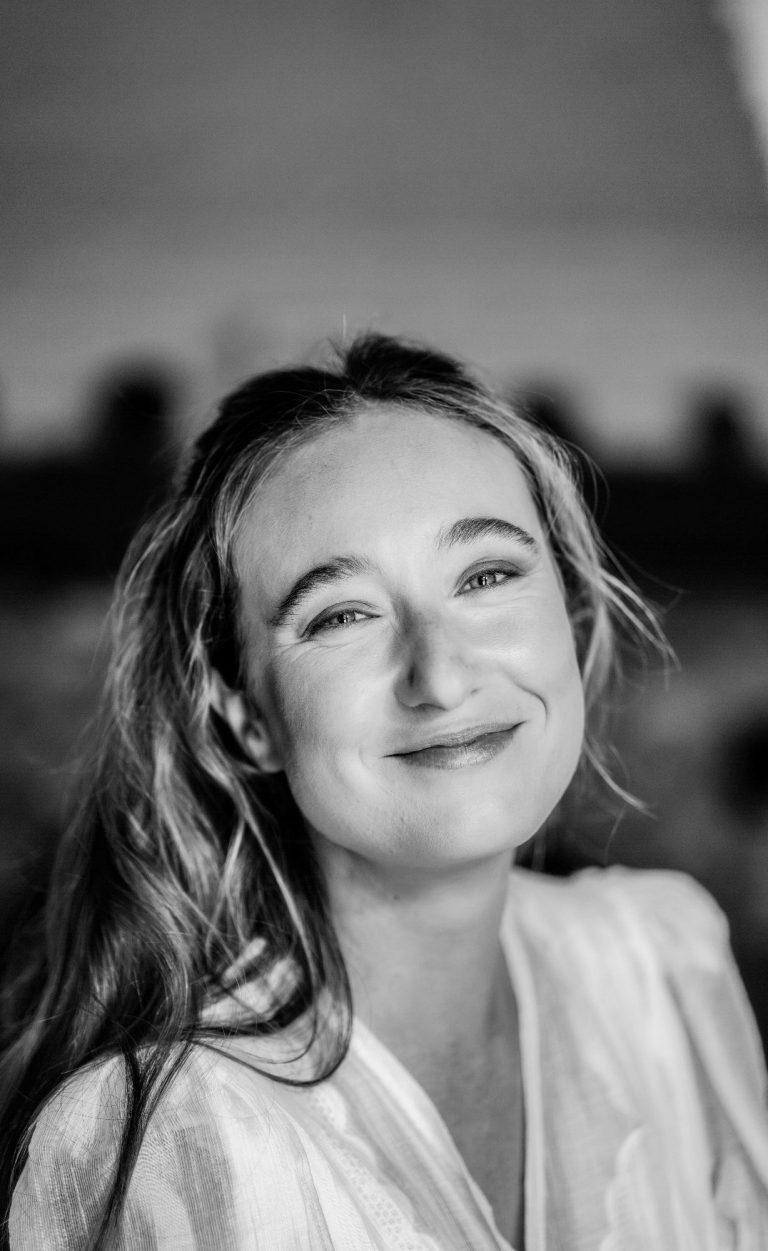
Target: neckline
[
  {"x": 520, "y": 975},
  {"x": 404, "y": 1089}
]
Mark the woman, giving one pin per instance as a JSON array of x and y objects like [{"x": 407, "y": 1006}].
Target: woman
[{"x": 361, "y": 655}]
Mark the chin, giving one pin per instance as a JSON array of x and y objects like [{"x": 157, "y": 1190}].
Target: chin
[
  {"x": 435, "y": 829},
  {"x": 462, "y": 836}
]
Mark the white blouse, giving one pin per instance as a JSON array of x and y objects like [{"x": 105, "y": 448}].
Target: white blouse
[{"x": 644, "y": 1088}]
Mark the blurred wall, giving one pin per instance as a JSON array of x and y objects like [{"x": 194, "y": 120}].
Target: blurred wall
[{"x": 568, "y": 189}]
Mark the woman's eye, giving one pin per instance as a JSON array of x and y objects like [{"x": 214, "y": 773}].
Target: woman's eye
[
  {"x": 484, "y": 579},
  {"x": 339, "y": 619}
]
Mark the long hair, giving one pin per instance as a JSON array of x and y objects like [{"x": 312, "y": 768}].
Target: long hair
[{"x": 185, "y": 874}]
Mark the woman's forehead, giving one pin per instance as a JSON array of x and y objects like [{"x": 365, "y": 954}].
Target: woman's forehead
[
  {"x": 405, "y": 443},
  {"x": 384, "y": 476}
]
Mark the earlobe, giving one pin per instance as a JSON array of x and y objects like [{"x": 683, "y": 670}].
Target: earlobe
[{"x": 246, "y": 724}]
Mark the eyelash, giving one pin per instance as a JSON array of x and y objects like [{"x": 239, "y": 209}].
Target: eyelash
[
  {"x": 506, "y": 571},
  {"x": 324, "y": 622}
]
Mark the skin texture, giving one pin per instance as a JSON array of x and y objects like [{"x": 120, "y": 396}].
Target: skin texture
[{"x": 421, "y": 642}]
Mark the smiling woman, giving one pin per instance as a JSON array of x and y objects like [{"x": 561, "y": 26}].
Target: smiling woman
[{"x": 288, "y": 990}]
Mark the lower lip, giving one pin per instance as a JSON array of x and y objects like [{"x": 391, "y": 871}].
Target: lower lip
[{"x": 478, "y": 751}]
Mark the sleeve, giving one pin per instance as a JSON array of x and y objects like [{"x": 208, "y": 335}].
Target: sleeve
[
  {"x": 233, "y": 1178},
  {"x": 689, "y": 935}
]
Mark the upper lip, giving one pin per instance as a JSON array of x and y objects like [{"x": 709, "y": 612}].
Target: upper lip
[{"x": 458, "y": 738}]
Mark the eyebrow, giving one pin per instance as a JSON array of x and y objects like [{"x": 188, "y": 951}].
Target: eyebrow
[
  {"x": 322, "y": 575},
  {"x": 466, "y": 530}
]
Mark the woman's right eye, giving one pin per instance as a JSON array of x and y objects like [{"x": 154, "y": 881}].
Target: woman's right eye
[{"x": 338, "y": 619}]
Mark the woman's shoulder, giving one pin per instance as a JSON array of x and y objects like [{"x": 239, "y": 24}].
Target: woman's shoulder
[
  {"x": 206, "y": 1087},
  {"x": 595, "y": 907},
  {"x": 220, "y": 1158},
  {"x": 622, "y": 937},
  {"x": 639, "y": 946},
  {"x": 667, "y": 900}
]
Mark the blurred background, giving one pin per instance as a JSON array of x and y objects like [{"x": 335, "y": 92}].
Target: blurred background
[{"x": 573, "y": 196}]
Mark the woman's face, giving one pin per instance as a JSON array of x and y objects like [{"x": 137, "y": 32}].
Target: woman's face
[{"x": 408, "y": 648}]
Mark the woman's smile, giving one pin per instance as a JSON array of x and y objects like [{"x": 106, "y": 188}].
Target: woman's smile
[{"x": 474, "y": 746}]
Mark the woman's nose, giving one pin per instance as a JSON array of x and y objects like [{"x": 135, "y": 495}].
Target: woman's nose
[{"x": 436, "y": 667}]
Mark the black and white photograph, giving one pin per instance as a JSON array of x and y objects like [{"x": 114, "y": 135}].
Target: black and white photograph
[{"x": 384, "y": 626}]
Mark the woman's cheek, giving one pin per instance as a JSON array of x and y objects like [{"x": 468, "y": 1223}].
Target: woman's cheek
[
  {"x": 316, "y": 704},
  {"x": 535, "y": 630}
]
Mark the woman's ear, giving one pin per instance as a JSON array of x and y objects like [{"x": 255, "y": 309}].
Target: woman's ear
[{"x": 247, "y": 725}]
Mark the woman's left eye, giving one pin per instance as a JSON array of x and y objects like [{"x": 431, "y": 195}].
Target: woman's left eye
[
  {"x": 337, "y": 619},
  {"x": 484, "y": 579}
]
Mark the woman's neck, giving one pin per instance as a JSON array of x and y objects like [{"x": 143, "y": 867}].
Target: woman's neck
[{"x": 422, "y": 952}]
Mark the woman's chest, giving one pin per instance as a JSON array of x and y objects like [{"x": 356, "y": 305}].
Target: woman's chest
[
  {"x": 604, "y": 1149},
  {"x": 484, "y": 1111},
  {"x": 434, "y": 1161},
  {"x": 491, "y": 1142}
]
